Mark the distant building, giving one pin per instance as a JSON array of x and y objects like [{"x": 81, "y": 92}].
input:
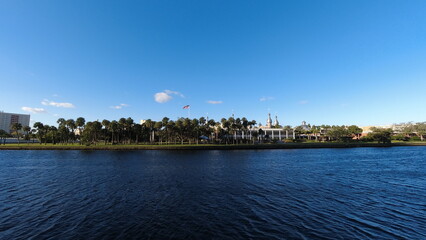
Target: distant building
[
  {"x": 273, "y": 131},
  {"x": 7, "y": 119},
  {"x": 397, "y": 128},
  {"x": 269, "y": 121},
  {"x": 305, "y": 126}
]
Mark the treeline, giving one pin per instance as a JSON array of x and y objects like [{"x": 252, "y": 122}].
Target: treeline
[
  {"x": 194, "y": 131},
  {"x": 126, "y": 131}
]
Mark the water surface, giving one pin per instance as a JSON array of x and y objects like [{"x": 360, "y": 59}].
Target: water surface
[{"x": 361, "y": 193}]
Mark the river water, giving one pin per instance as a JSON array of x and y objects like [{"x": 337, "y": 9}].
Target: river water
[{"x": 359, "y": 193}]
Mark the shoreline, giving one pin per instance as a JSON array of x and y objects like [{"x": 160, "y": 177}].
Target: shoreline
[{"x": 36, "y": 146}]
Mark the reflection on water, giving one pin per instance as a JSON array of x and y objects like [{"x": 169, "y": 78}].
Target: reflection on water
[{"x": 363, "y": 193}]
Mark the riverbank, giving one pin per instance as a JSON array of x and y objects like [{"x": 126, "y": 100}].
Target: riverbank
[{"x": 35, "y": 146}]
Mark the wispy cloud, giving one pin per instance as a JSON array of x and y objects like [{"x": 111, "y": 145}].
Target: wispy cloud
[
  {"x": 166, "y": 95},
  {"x": 263, "y": 99},
  {"x": 119, "y": 106},
  {"x": 57, "y": 104},
  {"x": 170, "y": 92},
  {"x": 214, "y": 102},
  {"x": 34, "y": 110},
  {"x": 303, "y": 102}
]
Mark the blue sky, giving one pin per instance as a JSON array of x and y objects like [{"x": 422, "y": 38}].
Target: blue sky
[{"x": 325, "y": 62}]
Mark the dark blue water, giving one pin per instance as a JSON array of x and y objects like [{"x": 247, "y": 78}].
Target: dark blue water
[{"x": 362, "y": 193}]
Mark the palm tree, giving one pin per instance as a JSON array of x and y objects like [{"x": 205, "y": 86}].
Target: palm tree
[
  {"x": 53, "y": 132},
  {"x": 71, "y": 125},
  {"x": 179, "y": 129},
  {"x": 129, "y": 125},
  {"x": 212, "y": 126},
  {"x": 171, "y": 130},
  {"x": 113, "y": 126},
  {"x": 61, "y": 121},
  {"x": 287, "y": 130},
  {"x": 106, "y": 125},
  {"x": 315, "y": 131},
  {"x": 63, "y": 133},
  {"x": 3, "y": 136},
  {"x": 80, "y": 122},
  {"x": 261, "y": 133},
  {"x": 255, "y": 135},
  {"x": 40, "y": 131},
  {"x": 27, "y": 130},
  {"x": 225, "y": 125},
  {"x": 244, "y": 126},
  {"x": 16, "y": 127},
  {"x": 137, "y": 130},
  {"x": 149, "y": 124},
  {"x": 165, "y": 124},
  {"x": 157, "y": 128}
]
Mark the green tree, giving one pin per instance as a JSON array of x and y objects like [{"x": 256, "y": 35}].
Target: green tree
[
  {"x": 355, "y": 130},
  {"x": 107, "y": 127},
  {"x": 80, "y": 123},
  {"x": 71, "y": 125},
  {"x": 27, "y": 130},
  {"x": 339, "y": 133},
  {"x": 420, "y": 129},
  {"x": 381, "y": 135},
  {"x": 40, "y": 131},
  {"x": 3, "y": 136},
  {"x": 113, "y": 126},
  {"x": 16, "y": 127}
]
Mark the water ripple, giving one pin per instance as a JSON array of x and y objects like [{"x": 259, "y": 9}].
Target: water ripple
[{"x": 368, "y": 193}]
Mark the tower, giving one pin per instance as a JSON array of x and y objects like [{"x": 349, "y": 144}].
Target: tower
[
  {"x": 276, "y": 123},
  {"x": 269, "y": 121}
]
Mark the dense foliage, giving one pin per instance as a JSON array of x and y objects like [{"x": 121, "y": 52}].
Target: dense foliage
[{"x": 190, "y": 131}]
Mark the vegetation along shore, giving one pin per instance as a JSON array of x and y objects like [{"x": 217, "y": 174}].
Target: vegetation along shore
[
  {"x": 185, "y": 133},
  {"x": 202, "y": 146}
]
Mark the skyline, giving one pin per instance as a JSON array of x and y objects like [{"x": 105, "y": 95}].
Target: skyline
[{"x": 340, "y": 63}]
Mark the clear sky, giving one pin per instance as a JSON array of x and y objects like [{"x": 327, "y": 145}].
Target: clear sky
[{"x": 325, "y": 62}]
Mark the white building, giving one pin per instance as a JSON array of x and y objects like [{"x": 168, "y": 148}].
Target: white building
[
  {"x": 273, "y": 130},
  {"x": 7, "y": 119}
]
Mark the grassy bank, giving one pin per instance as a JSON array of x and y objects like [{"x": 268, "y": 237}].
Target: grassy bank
[{"x": 35, "y": 146}]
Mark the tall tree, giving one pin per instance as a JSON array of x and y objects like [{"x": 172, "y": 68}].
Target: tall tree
[
  {"x": 107, "y": 125},
  {"x": 27, "y": 130},
  {"x": 16, "y": 127},
  {"x": 40, "y": 131},
  {"x": 80, "y": 123},
  {"x": 3, "y": 136}
]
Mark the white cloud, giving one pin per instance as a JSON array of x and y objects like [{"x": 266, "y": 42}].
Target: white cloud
[
  {"x": 214, "y": 102},
  {"x": 303, "y": 102},
  {"x": 34, "y": 110},
  {"x": 263, "y": 99},
  {"x": 56, "y": 104},
  {"x": 166, "y": 95},
  {"x": 119, "y": 106},
  {"x": 162, "y": 97},
  {"x": 170, "y": 92}
]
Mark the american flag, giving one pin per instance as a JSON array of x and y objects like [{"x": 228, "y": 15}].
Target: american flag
[{"x": 186, "y": 107}]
